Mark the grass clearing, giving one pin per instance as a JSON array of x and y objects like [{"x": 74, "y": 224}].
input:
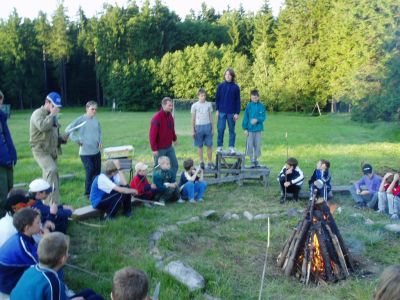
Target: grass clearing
[{"x": 229, "y": 254}]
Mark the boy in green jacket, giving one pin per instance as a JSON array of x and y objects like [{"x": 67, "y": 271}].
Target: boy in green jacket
[{"x": 252, "y": 124}]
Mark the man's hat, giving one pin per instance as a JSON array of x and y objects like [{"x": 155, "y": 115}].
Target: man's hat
[
  {"x": 367, "y": 169},
  {"x": 140, "y": 167},
  {"x": 55, "y": 98},
  {"x": 40, "y": 185}
]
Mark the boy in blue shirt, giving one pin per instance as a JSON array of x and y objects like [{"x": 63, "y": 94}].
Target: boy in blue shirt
[{"x": 252, "y": 124}]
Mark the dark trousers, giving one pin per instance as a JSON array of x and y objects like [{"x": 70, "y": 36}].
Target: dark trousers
[
  {"x": 113, "y": 201},
  {"x": 292, "y": 189},
  {"x": 92, "y": 165},
  {"x": 88, "y": 294},
  {"x": 168, "y": 195}
]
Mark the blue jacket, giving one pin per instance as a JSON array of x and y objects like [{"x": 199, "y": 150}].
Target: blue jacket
[
  {"x": 227, "y": 99},
  {"x": 16, "y": 255},
  {"x": 39, "y": 283},
  {"x": 254, "y": 110},
  {"x": 8, "y": 154}
]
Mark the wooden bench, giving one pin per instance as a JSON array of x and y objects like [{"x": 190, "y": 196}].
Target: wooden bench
[
  {"x": 337, "y": 189},
  {"x": 62, "y": 177}
]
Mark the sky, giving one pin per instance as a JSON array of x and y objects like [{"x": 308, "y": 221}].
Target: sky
[{"x": 31, "y": 8}]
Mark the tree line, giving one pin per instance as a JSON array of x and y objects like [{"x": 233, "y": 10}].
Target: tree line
[{"x": 315, "y": 51}]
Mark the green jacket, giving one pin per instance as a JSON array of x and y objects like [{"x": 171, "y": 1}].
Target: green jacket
[
  {"x": 254, "y": 110},
  {"x": 44, "y": 133}
]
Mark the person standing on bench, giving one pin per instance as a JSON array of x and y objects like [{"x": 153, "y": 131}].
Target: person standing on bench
[{"x": 109, "y": 191}]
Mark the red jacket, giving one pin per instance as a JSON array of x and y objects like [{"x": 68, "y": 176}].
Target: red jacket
[
  {"x": 142, "y": 185},
  {"x": 162, "y": 131}
]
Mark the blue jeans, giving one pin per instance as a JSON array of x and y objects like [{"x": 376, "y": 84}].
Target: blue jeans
[
  {"x": 222, "y": 118},
  {"x": 370, "y": 200},
  {"x": 92, "y": 164},
  {"x": 194, "y": 190}
]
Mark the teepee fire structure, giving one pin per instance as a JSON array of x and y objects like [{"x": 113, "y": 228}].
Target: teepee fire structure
[{"x": 315, "y": 251}]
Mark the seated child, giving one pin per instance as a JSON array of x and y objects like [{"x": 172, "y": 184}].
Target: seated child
[
  {"x": 19, "y": 252},
  {"x": 42, "y": 281},
  {"x": 39, "y": 190},
  {"x": 365, "y": 191},
  {"x": 139, "y": 182},
  {"x": 192, "y": 184},
  {"x": 382, "y": 197},
  {"x": 130, "y": 284},
  {"x": 320, "y": 181},
  {"x": 165, "y": 181},
  {"x": 109, "y": 191},
  {"x": 290, "y": 179},
  {"x": 392, "y": 194}
]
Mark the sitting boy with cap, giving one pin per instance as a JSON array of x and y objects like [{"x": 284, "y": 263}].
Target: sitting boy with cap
[
  {"x": 139, "y": 182},
  {"x": 365, "y": 191},
  {"x": 39, "y": 190}
]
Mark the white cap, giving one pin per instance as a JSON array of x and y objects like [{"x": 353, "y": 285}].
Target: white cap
[
  {"x": 39, "y": 185},
  {"x": 140, "y": 167}
]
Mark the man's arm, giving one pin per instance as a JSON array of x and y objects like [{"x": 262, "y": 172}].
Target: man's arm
[
  {"x": 153, "y": 134},
  {"x": 43, "y": 124}
]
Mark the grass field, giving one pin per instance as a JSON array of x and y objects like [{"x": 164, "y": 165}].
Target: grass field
[{"x": 228, "y": 254}]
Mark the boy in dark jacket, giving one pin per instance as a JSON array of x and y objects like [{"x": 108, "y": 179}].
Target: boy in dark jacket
[
  {"x": 320, "y": 181},
  {"x": 290, "y": 179},
  {"x": 165, "y": 181}
]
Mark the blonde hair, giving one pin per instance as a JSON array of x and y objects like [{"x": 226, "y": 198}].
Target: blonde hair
[
  {"x": 163, "y": 159},
  {"x": 52, "y": 247},
  {"x": 110, "y": 167},
  {"x": 130, "y": 284},
  {"x": 388, "y": 287}
]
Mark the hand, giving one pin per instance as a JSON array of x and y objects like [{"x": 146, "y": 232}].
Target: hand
[
  {"x": 395, "y": 177},
  {"x": 235, "y": 117},
  {"x": 363, "y": 193},
  {"x": 246, "y": 133},
  {"x": 153, "y": 186},
  {"x": 173, "y": 185},
  {"x": 193, "y": 132},
  {"x": 53, "y": 209},
  {"x": 358, "y": 191},
  {"x": 48, "y": 226},
  {"x": 133, "y": 192},
  {"x": 289, "y": 171},
  {"x": 254, "y": 121},
  {"x": 116, "y": 163},
  {"x": 100, "y": 146},
  {"x": 287, "y": 183},
  {"x": 155, "y": 153},
  {"x": 387, "y": 175},
  {"x": 54, "y": 110},
  {"x": 78, "y": 298}
]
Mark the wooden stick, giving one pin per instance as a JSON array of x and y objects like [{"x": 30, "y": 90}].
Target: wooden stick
[
  {"x": 265, "y": 266},
  {"x": 339, "y": 252},
  {"x": 282, "y": 256}
]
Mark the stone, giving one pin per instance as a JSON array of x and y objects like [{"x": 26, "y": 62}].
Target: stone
[
  {"x": 248, "y": 215},
  {"x": 208, "y": 214},
  {"x": 261, "y": 217},
  {"x": 369, "y": 222},
  {"x": 292, "y": 212},
  {"x": 393, "y": 227},
  {"x": 235, "y": 216},
  {"x": 155, "y": 252},
  {"x": 168, "y": 228},
  {"x": 185, "y": 274},
  {"x": 188, "y": 221},
  {"x": 339, "y": 210},
  {"x": 159, "y": 264},
  {"x": 208, "y": 297},
  {"x": 227, "y": 216}
]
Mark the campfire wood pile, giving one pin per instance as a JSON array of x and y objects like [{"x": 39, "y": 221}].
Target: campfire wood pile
[{"x": 315, "y": 251}]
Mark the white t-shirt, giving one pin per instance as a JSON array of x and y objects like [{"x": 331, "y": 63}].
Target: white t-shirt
[
  {"x": 106, "y": 184},
  {"x": 202, "y": 111},
  {"x": 7, "y": 228}
]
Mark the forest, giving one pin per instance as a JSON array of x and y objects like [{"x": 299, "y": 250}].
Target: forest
[{"x": 337, "y": 53}]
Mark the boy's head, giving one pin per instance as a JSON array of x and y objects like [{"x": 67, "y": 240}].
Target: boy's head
[
  {"x": 16, "y": 202},
  {"x": 202, "y": 94},
  {"x": 388, "y": 287},
  {"x": 292, "y": 162},
  {"x": 40, "y": 188},
  {"x": 164, "y": 162},
  {"x": 110, "y": 168},
  {"x": 129, "y": 284},
  {"x": 188, "y": 164},
  {"x": 27, "y": 221},
  {"x": 367, "y": 170},
  {"x": 141, "y": 169},
  {"x": 53, "y": 250},
  {"x": 254, "y": 96},
  {"x": 229, "y": 75},
  {"x": 325, "y": 164}
]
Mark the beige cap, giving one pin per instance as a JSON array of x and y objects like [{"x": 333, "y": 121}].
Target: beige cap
[{"x": 140, "y": 167}]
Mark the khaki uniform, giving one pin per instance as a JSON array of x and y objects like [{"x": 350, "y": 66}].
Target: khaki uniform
[{"x": 44, "y": 141}]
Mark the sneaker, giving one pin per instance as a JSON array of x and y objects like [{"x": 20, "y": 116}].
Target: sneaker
[
  {"x": 200, "y": 200},
  {"x": 232, "y": 150},
  {"x": 380, "y": 211},
  {"x": 219, "y": 149},
  {"x": 256, "y": 164},
  {"x": 180, "y": 200},
  {"x": 282, "y": 200},
  {"x": 394, "y": 217},
  {"x": 192, "y": 201},
  {"x": 202, "y": 165},
  {"x": 211, "y": 166},
  {"x": 253, "y": 164}
]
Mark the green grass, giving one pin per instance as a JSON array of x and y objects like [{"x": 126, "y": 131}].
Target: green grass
[{"x": 228, "y": 254}]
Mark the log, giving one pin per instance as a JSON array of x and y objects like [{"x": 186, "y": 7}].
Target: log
[
  {"x": 282, "y": 256},
  {"x": 325, "y": 254},
  {"x": 338, "y": 249}
]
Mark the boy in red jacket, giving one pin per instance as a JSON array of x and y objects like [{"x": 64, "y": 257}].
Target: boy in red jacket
[{"x": 139, "y": 182}]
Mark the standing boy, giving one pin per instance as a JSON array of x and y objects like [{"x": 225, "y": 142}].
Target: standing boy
[
  {"x": 203, "y": 127},
  {"x": 228, "y": 108},
  {"x": 252, "y": 124}
]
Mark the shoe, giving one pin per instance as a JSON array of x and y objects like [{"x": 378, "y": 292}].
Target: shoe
[
  {"x": 200, "y": 200},
  {"x": 282, "y": 200},
  {"x": 128, "y": 214},
  {"x": 232, "y": 150},
  {"x": 256, "y": 164},
  {"x": 192, "y": 201},
  {"x": 394, "y": 217},
  {"x": 180, "y": 200},
  {"x": 253, "y": 164},
  {"x": 360, "y": 206},
  {"x": 202, "y": 166},
  {"x": 380, "y": 211},
  {"x": 219, "y": 149},
  {"x": 211, "y": 166}
]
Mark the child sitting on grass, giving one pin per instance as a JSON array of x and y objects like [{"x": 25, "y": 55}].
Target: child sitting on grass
[
  {"x": 320, "y": 181},
  {"x": 392, "y": 194},
  {"x": 19, "y": 252},
  {"x": 165, "y": 181},
  {"x": 42, "y": 281},
  {"x": 139, "y": 182},
  {"x": 130, "y": 284},
  {"x": 382, "y": 197},
  {"x": 365, "y": 191},
  {"x": 290, "y": 179},
  {"x": 192, "y": 182},
  {"x": 39, "y": 190}
]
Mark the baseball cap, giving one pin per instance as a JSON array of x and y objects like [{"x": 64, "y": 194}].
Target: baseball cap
[
  {"x": 140, "y": 167},
  {"x": 40, "y": 185},
  {"x": 367, "y": 169},
  {"x": 55, "y": 98}
]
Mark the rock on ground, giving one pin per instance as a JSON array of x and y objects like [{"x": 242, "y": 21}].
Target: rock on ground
[
  {"x": 185, "y": 274},
  {"x": 248, "y": 215},
  {"x": 393, "y": 227}
]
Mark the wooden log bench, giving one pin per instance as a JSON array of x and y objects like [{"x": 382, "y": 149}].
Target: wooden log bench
[
  {"x": 62, "y": 177},
  {"x": 336, "y": 189}
]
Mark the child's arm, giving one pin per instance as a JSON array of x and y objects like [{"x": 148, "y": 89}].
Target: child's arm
[
  {"x": 391, "y": 186},
  {"x": 193, "y": 123},
  {"x": 212, "y": 122},
  {"x": 262, "y": 116},
  {"x": 383, "y": 182},
  {"x": 245, "y": 121}
]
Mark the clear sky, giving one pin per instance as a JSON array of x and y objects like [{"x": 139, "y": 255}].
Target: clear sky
[{"x": 30, "y": 8}]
